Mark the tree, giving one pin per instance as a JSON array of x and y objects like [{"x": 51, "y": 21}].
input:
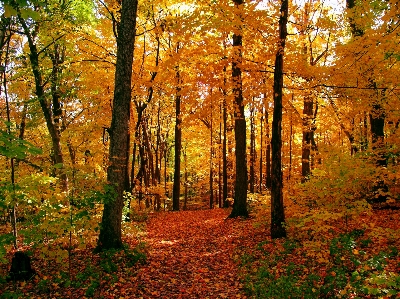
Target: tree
[
  {"x": 240, "y": 199},
  {"x": 117, "y": 172},
  {"x": 277, "y": 210},
  {"x": 178, "y": 142},
  {"x": 50, "y": 110}
]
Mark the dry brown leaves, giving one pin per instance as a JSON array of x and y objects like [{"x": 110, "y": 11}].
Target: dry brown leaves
[{"x": 193, "y": 255}]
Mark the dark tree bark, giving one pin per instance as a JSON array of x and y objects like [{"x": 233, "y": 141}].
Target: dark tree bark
[
  {"x": 178, "y": 145},
  {"x": 268, "y": 152},
  {"x": 290, "y": 147},
  {"x": 252, "y": 150},
  {"x": 186, "y": 181},
  {"x": 117, "y": 172},
  {"x": 219, "y": 161},
  {"x": 308, "y": 133},
  {"x": 377, "y": 121},
  {"x": 211, "y": 156},
  {"x": 277, "y": 210},
  {"x": 240, "y": 199},
  {"x": 224, "y": 149},
  {"x": 57, "y": 154},
  {"x": 261, "y": 152}
]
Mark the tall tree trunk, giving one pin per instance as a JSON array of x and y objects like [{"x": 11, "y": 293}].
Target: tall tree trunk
[
  {"x": 13, "y": 213},
  {"x": 186, "y": 181},
  {"x": 117, "y": 171},
  {"x": 219, "y": 161},
  {"x": 178, "y": 144},
  {"x": 211, "y": 156},
  {"x": 277, "y": 210},
  {"x": 252, "y": 151},
  {"x": 240, "y": 199},
  {"x": 307, "y": 136},
  {"x": 290, "y": 146},
  {"x": 377, "y": 120},
  {"x": 58, "y": 157},
  {"x": 224, "y": 149},
  {"x": 268, "y": 181},
  {"x": 261, "y": 151}
]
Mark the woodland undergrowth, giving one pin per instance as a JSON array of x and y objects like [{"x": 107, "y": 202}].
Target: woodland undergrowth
[
  {"x": 341, "y": 242},
  {"x": 338, "y": 246}
]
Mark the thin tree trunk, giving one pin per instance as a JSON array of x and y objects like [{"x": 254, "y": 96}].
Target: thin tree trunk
[
  {"x": 277, "y": 210},
  {"x": 224, "y": 149},
  {"x": 290, "y": 146},
  {"x": 186, "y": 181},
  {"x": 261, "y": 151},
  {"x": 211, "y": 155},
  {"x": 307, "y": 136},
  {"x": 268, "y": 181},
  {"x": 219, "y": 162},
  {"x": 252, "y": 151},
  {"x": 178, "y": 144},
  {"x": 13, "y": 215},
  {"x": 377, "y": 121}
]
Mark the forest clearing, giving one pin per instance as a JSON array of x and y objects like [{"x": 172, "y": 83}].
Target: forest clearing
[{"x": 187, "y": 149}]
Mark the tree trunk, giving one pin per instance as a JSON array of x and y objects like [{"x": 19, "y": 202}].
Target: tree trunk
[
  {"x": 261, "y": 150},
  {"x": 224, "y": 150},
  {"x": 252, "y": 151},
  {"x": 186, "y": 181},
  {"x": 377, "y": 120},
  {"x": 219, "y": 162},
  {"x": 178, "y": 144},
  {"x": 240, "y": 200},
  {"x": 307, "y": 136},
  {"x": 268, "y": 152},
  {"x": 290, "y": 147},
  {"x": 211, "y": 155},
  {"x": 277, "y": 210},
  {"x": 117, "y": 171},
  {"x": 58, "y": 158}
]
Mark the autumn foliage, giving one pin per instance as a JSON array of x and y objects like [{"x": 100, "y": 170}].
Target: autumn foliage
[{"x": 227, "y": 101}]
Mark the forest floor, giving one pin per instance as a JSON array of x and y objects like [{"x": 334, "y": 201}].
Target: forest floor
[
  {"x": 189, "y": 254},
  {"x": 193, "y": 255},
  {"x": 196, "y": 254}
]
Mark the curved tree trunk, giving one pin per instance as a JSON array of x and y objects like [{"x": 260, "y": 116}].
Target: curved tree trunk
[
  {"x": 58, "y": 158},
  {"x": 117, "y": 172}
]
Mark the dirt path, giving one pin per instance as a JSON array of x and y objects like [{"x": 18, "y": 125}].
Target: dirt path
[{"x": 192, "y": 255}]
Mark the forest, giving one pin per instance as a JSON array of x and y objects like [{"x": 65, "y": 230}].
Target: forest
[{"x": 199, "y": 149}]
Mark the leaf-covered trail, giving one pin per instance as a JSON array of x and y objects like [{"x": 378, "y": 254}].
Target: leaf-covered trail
[{"x": 192, "y": 255}]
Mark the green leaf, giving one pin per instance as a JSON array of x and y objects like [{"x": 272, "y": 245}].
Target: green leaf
[{"x": 9, "y": 11}]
